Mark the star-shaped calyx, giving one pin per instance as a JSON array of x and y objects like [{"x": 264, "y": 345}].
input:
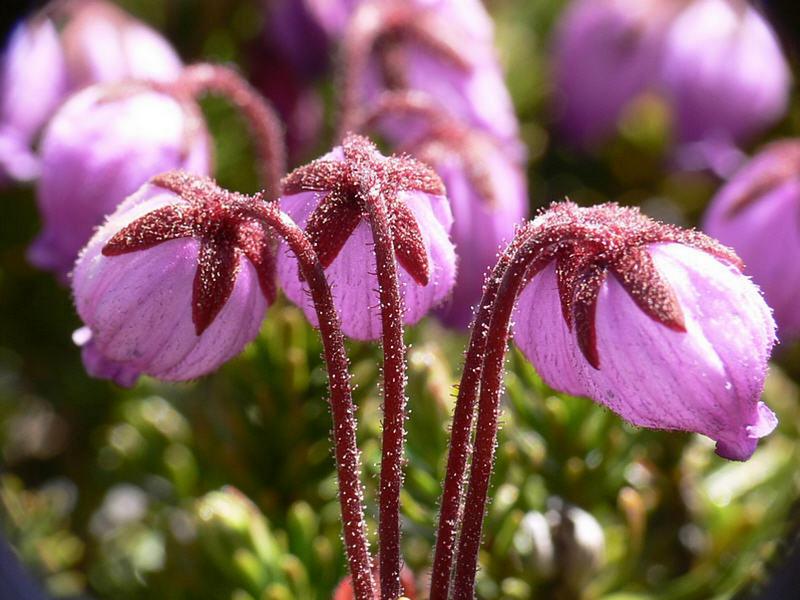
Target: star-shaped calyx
[
  {"x": 347, "y": 185},
  {"x": 227, "y": 229},
  {"x": 588, "y": 244}
]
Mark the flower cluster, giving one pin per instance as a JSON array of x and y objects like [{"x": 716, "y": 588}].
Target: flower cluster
[
  {"x": 716, "y": 63},
  {"x": 67, "y": 46}
]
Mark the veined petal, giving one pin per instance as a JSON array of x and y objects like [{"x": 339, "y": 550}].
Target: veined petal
[{"x": 708, "y": 379}]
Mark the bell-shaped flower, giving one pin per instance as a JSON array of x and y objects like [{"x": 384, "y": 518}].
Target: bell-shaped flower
[
  {"x": 441, "y": 48},
  {"x": 757, "y": 213},
  {"x": 723, "y": 72},
  {"x": 328, "y": 199},
  {"x": 100, "y": 147},
  {"x": 67, "y": 46},
  {"x": 655, "y": 322},
  {"x": 716, "y": 64},
  {"x": 174, "y": 284},
  {"x": 605, "y": 55}
]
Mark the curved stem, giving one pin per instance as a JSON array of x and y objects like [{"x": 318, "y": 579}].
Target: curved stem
[
  {"x": 461, "y": 429},
  {"x": 363, "y": 30},
  {"x": 488, "y": 412},
  {"x": 265, "y": 125},
  {"x": 394, "y": 394},
  {"x": 348, "y": 463}
]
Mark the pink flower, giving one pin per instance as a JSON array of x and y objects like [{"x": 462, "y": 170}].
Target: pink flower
[
  {"x": 757, "y": 213},
  {"x": 723, "y": 72},
  {"x": 606, "y": 53},
  {"x": 65, "y": 47},
  {"x": 327, "y": 198},
  {"x": 99, "y": 148},
  {"x": 174, "y": 284},
  {"x": 655, "y": 322},
  {"x": 715, "y": 63}
]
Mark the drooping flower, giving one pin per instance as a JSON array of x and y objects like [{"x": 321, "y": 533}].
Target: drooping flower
[
  {"x": 655, "y": 322},
  {"x": 715, "y": 63},
  {"x": 328, "y": 198},
  {"x": 174, "y": 284},
  {"x": 757, "y": 213},
  {"x": 99, "y": 148},
  {"x": 723, "y": 72},
  {"x": 32, "y": 84},
  {"x": 442, "y": 48},
  {"x": 606, "y": 53},
  {"x": 67, "y": 46}
]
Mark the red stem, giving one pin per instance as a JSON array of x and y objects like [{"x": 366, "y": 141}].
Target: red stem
[
  {"x": 394, "y": 394},
  {"x": 460, "y": 433},
  {"x": 488, "y": 411},
  {"x": 348, "y": 463},
  {"x": 265, "y": 125}
]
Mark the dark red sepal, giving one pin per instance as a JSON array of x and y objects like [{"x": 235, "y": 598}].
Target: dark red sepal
[
  {"x": 343, "y": 187},
  {"x": 409, "y": 247},
  {"x": 163, "y": 224},
  {"x": 331, "y": 224},
  {"x": 226, "y": 230},
  {"x": 214, "y": 280}
]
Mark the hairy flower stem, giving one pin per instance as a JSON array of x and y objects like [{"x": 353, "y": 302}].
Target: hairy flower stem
[
  {"x": 488, "y": 411},
  {"x": 265, "y": 125},
  {"x": 348, "y": 464},
  {"x": 461, "y": 429},
  {"x": 394, "y": 394}
]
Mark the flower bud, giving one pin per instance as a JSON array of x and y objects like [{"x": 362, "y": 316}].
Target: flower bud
[
  {"x": 723, "y": 72},
  {"x": 174, "y": 284},
  {"x": 32, "y": 83},
  {"x": 716, "y": 64},
  {"x": 605, "y": 55},
  {"x": 67, "y": 46},
  {"x": 99, "y": 148},
  {"x": 757, "y": 213},
  {"x": 654, "y": 322},
  {"x": 443, "y": 49},
  {"x": 328, "y": 199}
]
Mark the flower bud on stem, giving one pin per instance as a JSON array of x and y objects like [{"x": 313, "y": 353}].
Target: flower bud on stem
[{"x": 265, "y": 126}]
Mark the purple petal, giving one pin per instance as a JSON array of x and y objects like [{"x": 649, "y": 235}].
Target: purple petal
[
  {"x": 98, "y": 150},
  {"x": 707, "y": 380},
  {"x": 33, "y": 79},
  {"x": 543, "y": 336},
  {"x": 606, "y": 54},
  {"x": 724, "y": 71},
  {"x": 766, "y": 235},
  {"x": 352, "y": 273}
]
